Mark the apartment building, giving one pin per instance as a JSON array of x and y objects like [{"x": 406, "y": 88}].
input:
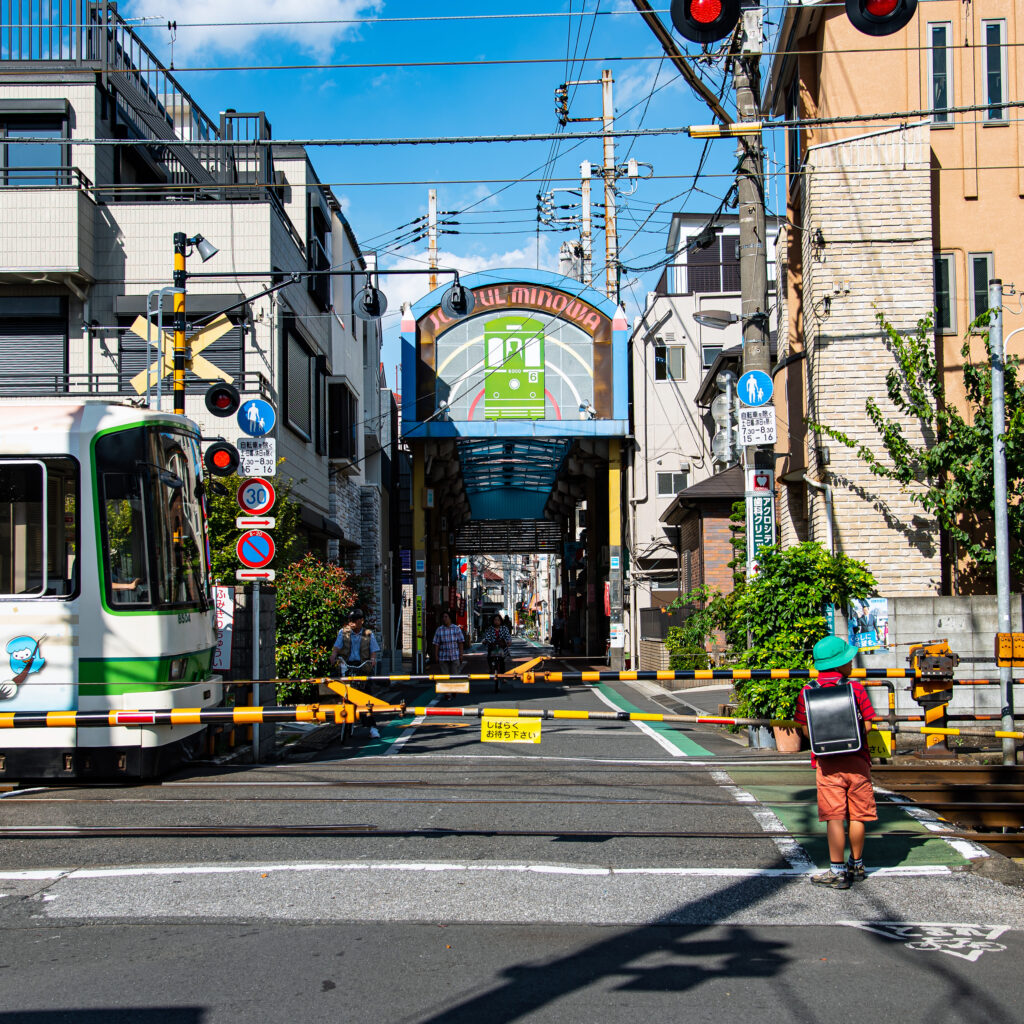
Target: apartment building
[
  {"x": 904, "y": 216},
  {"x": 671, "y": 355},
  {"x": 86, "y": 243}
]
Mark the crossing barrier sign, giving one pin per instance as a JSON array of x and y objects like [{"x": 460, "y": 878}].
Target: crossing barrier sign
[
  {"x": 510, "y": 730},
  {"x": 257, "y": 456},
  {"x": 256, "y": 496},
  {"x": 255, "y": 549}
]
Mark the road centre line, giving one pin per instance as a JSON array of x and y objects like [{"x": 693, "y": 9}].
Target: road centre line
[{"x": 442, "y": 867}]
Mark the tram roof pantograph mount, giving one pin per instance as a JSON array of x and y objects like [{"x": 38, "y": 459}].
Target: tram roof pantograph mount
[
  {"x": 255, "y": 549},
  {"x": 256, "y": 496}
]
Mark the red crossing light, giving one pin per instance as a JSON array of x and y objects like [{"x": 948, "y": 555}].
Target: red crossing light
[
  {"x": 880, "y": 17},
  {"x": 223, "y": 399},
  {"x": 705, "y": 21},
  {"x": 221, "y": 459}
]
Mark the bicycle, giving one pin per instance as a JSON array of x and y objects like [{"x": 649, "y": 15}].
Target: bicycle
[
  {"x": 496, "y": 663},
  {"x": 343, "y": 669}
]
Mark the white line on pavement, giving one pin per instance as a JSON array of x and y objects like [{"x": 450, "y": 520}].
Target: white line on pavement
[
  {"x": 966, "y": 849},
  {"x": 644, "y": 728},
  {"x": 410, "y": 729}
]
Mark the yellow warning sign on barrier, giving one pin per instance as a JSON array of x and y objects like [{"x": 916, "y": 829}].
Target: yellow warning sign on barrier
[
  {"x": 880, "y": 743},
  {"x": 510, "y": 730}
]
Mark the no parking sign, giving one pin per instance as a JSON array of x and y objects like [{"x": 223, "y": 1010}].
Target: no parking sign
[{"x": 255, "y": 549}]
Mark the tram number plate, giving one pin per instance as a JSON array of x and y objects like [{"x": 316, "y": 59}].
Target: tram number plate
[
  {"x": 510, "y": 730},
  {"x": 257, "y": 456}
]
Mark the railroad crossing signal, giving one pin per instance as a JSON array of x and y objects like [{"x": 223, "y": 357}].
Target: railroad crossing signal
[
  {"x": 880, "y": 17},
  {"x": 704, "y": 21},
  {"x": 255, "y": 549},
  {"x": 195, "y": 342},
  {"x": 221, "y": 459}
]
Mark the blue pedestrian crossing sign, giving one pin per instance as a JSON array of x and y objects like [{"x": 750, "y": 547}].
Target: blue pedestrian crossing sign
[
  {"x": 256, "y": 417},
  {"x": 753, "y": 388}
]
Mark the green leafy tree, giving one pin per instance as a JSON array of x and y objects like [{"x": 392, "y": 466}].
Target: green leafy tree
[
  {"x": 782, "y": 608},
  {"x": 949, "y": 473},
  {"x": 223, "y": 509},
  {"x": 687, "y": 644},
  {"x": 313, "y": 602}
]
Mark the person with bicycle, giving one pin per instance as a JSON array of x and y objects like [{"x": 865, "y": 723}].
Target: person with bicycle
[
  {"x": 497, "y": 639},
  {"x": 357, "y": 649}
]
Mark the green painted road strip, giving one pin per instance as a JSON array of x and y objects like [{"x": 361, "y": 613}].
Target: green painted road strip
[
  {"x": 393, "y": 729},
  {"x": 893, "y": 851},
  {"x": 677, "y": 739}
]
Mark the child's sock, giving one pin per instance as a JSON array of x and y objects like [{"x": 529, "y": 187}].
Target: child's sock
[
  {"x": 838, "y": 868},
  {"x": 856, "y": 862}
]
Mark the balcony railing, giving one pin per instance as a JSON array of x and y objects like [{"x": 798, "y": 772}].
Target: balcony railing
[
  {"x": 109, "y": 385},
  {"x": 44, "y": 177}
]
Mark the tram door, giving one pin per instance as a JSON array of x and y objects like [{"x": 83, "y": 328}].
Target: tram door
[{"x": 514, "y": 374}]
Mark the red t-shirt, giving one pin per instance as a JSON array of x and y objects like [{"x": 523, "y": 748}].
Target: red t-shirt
[{"x": 859, "y": 761}]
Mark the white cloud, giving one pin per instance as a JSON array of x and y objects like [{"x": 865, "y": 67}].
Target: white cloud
[{"x": 318, "y": 40}]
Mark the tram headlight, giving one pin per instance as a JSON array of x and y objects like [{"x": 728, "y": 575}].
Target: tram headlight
[
  {"x": 178, "y": 666},
  {"x": 221, "y": 459}
]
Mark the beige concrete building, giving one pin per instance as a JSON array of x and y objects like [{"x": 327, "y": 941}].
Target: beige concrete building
[{"x": 902, "y": 215}]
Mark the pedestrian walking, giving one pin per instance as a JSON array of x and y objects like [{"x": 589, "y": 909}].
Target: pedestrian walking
[
  {"x": 558, "y": 631},
  {"x": 449, "y": 643},
  {"x": 845, "y": 792}
]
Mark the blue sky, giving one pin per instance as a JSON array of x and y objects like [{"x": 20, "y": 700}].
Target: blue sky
[{"x": 497, "y": 225}]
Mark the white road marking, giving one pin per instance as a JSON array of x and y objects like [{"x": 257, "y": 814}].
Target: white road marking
[
  {"x": 440, "y": 867},
  {"x": 967, "y": 849},
  {"x": 397, "y": 745},
  {"x": 644, "y": 728},
  {"x": 794, "y": 853}
]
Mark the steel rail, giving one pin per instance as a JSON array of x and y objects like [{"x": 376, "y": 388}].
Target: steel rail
[{"x": 376, "y": 832}]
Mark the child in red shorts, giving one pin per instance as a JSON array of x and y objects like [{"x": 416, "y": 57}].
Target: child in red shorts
[{"x": 845, "y": 792}]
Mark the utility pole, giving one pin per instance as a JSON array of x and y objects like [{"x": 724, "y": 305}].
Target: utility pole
[
  {"x": 586, "y": 228},
  {"x": 611, "y": 242},
  {"x": 432, "y": 235},
  {"x": 1002, "y": 517},
  {"x": 750, "y": 196}
]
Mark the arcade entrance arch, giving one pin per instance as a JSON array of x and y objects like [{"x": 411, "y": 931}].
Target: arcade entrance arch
[{"x": 515, "y": 416}]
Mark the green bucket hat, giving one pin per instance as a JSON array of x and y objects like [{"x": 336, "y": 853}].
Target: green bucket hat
[{"x": 831, "y": 652}]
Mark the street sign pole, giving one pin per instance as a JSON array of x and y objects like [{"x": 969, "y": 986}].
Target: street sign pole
[{"x": 254, "y": 689}]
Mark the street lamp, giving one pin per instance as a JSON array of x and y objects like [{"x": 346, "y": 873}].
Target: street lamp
[
  {"x": 718, "y": 319},
  {"x": 206, "y": 251}
]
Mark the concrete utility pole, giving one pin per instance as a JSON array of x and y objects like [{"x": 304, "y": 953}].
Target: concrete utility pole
[
  {"x": 611, "y": 242},
  {"x": 750, "y": 195},
  {"x": 1002, "y": 516},
  {"x": 586, "y": 227},
  {"x": 432, "y": 235}
]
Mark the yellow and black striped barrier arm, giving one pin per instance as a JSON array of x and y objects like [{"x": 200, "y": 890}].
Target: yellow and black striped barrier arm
[{"x": 329, "y": 713}]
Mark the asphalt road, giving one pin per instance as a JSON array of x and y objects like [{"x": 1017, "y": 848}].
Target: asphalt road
[{"x": 566, "y": 921}]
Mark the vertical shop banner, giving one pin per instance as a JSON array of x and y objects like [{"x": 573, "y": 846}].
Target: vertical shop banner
[
  {"x": 760, "y": 495},
  {"x": 224, "y": 606}
]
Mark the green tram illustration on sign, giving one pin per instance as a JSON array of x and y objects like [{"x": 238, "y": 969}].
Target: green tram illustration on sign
[{"x": 514, "y": 374}]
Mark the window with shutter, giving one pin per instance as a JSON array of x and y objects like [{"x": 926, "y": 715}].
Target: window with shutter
[
  {"x": 298, "y": 388},
  {"x": 33, "y": 345},
  {"x": 703, "y": 268}
]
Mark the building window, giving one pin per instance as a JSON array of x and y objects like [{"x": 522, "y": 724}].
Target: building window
[
  {"x": 979, "y": 266},
  {"x": 708, "y": 355},
  {"x": 794, "y": 134},
  {"x": 941, "y": 73},
  {"x": 945, "y": 293},
  {"x": 299, "y": 388},
  {"x": 33, "y": 164},
  {"x": 669, "y": 363},
  {"x": 704, "y": 267},
  {"x": 33, "y": 345},
  {"x": 670, "y": 484},
  {"x": 730, "y": 263},
  {"x": 342, "y": 422},
  {"x": 320, "y": 251},
  {"x": 994, "y": 33}
]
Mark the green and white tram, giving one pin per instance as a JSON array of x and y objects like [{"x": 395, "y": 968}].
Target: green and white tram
[
  {"x": 514, "y": 368},
  {"x": 104, "y": 585}
]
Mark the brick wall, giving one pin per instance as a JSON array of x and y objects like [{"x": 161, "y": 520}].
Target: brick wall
[
  {"x": 718, "y": 551},
  {"x": 869, "y": 256}
]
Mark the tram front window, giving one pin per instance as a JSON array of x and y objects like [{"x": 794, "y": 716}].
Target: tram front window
[
  {"x": 37, "y": 561},
  {"x": 153, "y": 522}
]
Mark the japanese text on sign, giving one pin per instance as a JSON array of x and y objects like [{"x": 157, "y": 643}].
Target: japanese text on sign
[
  {"x": 224, "y": 603},
  {"x": 757, "y": 426},
  {"x": 762, "y": 521},
  {"x": 257, "y": 456},
  {"x": 510, "y": 730}
]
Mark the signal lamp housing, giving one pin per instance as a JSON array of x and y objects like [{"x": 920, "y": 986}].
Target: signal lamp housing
[
  {"x": 705, "y": 21},
  {"x": 223, "y": 399},
  {"x": 221, "y": 459},
  {"x": 880, "y": 17}
]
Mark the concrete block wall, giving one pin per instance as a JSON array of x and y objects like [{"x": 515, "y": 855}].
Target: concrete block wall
[
  {"x": 242, "y": 655},
  {"x": 868, "y": 258}
]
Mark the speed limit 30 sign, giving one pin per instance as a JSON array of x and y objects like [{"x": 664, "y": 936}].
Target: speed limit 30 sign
[{"x": 256, "y": 496}]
